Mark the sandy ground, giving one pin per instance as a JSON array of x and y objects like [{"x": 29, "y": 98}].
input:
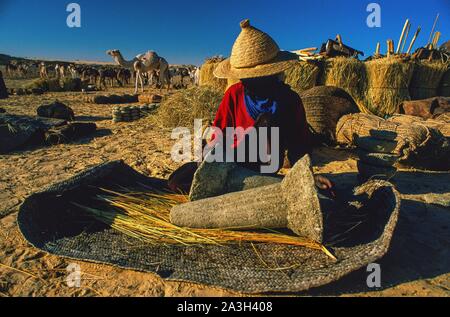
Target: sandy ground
[{"x": 417, "y": 265}]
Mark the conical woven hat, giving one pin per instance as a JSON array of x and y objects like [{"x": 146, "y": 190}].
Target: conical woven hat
[{"x": 254, "y": 54}]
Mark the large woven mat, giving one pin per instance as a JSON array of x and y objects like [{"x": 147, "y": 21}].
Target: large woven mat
[{"x": 51, "y": 223}]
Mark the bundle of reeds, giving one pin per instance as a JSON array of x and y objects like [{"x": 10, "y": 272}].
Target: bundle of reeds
[
  {"x": 181, "y": 108},
  {"x": 207, "y": 77},
  {"x": 426, "y": 79},
  {"x": 348, "y": 74},
  {"x": 146, "y": 216},
  {"x": 388, "y": 84},
  {"x": 302, "y": 76},
  {"x": 417, "y": 144},
  {"x": 444, "y": 89}
]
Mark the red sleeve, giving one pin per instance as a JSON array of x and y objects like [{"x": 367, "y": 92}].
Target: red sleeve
[{"x": 298, "y": 136}]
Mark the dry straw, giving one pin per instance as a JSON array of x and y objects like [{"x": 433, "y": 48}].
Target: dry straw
[
  {"x": 207, "y": 77},
  {"x": 348, "y": 74},
  {"x": 181, "y": 108},
  {"x": 444, "y": 89},
  {"x": 302, "y": 76},
  {"x": 426, "y": 79},
  {"x": 388, "y": 84},
  {"x": 146, "y": 216}
]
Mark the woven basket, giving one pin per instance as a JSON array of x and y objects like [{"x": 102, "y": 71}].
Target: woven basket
[
  {"x": 324, "y": 106},
  {"x": 50, "y": 222}
]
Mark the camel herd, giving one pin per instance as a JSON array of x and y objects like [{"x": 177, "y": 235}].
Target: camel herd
[
  {"x": 148, "y": 68},
  {"x": 156, "y": 68}
]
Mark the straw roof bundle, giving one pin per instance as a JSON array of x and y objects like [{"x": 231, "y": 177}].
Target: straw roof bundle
[
  {"x": 207, "y": 77},
  {"x": 302, "y": 76},
  {"x": 444, "y": 89},
  {"x": 426, "y": 79},
  {"x": 181, "y": 108},
  {"x": 324, "y": 106},
  {"x": 348, "y": 74},
  {"x": 417, "y": 144},
  {"x": 388, "y": 84}
]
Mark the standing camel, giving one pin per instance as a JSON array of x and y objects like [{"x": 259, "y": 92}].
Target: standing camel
[{"x": 144, "y": 63}]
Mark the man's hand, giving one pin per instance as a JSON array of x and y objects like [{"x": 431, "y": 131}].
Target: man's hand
[{"x": 323, "y": 182}]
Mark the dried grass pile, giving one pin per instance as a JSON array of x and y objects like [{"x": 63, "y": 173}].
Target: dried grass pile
[
  {"x": 302, "y": 76},
  {"x": 444, "y": 89},
  {"x": 348, "y": 74},
  {"x": 146, "y": 216},
  {"x": 207, "y": 77},
  {"x": 181, "y": 108},
  {"x": 388, "y": 84},
  {"x": 417, "y": 145},
  {"x": 426, "y": 79},
  {"x": 324, "y": 106}
]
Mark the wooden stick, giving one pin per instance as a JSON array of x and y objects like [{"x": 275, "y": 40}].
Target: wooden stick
[
  {"x": 413, "y": 40},
  {"x": 390, "y": 47},
  {"x": 400, "y": 41},
  {"x": 377, "y": 51},
  {"x": 406, "y": 38},
  {"x": 436, "y": 37},
  {"x": 434, "y": 26}
]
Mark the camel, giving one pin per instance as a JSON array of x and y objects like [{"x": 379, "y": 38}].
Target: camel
[
  {"x": 43, "y": 71},
  {"x": 144, "y": 63}
]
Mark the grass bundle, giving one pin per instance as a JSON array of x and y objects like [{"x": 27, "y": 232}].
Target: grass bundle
[
  {"x": 444, "y": 89},
  {"x": 207, "y": 77},
  {"x": 348, "y": 74},
  {"x": 302, "y": 76},
  {"x": 146, "y": 217},
  {"x": 426, "y": 79},
  {"x": 181, "y": 108},
  {"x": 388, "y": 84}
]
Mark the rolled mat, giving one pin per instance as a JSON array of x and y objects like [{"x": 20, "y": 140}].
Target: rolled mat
[{"x": 50, "y": 222}]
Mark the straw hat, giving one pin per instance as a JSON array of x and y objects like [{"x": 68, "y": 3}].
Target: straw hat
[{"x": 254, "y": 54}]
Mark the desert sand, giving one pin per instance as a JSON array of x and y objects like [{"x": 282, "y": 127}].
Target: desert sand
[{"x": 418, "y": 263}]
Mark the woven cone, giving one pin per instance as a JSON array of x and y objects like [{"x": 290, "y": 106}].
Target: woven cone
[
  {"x": 293, "y": 203},
  {"x": 254, "y": 54}
]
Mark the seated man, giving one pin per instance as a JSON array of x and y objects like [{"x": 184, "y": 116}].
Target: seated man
[{"x": 261, "y": 99}]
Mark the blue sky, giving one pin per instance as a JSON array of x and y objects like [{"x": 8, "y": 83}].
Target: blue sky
[{"x": 188, "y": 31}]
